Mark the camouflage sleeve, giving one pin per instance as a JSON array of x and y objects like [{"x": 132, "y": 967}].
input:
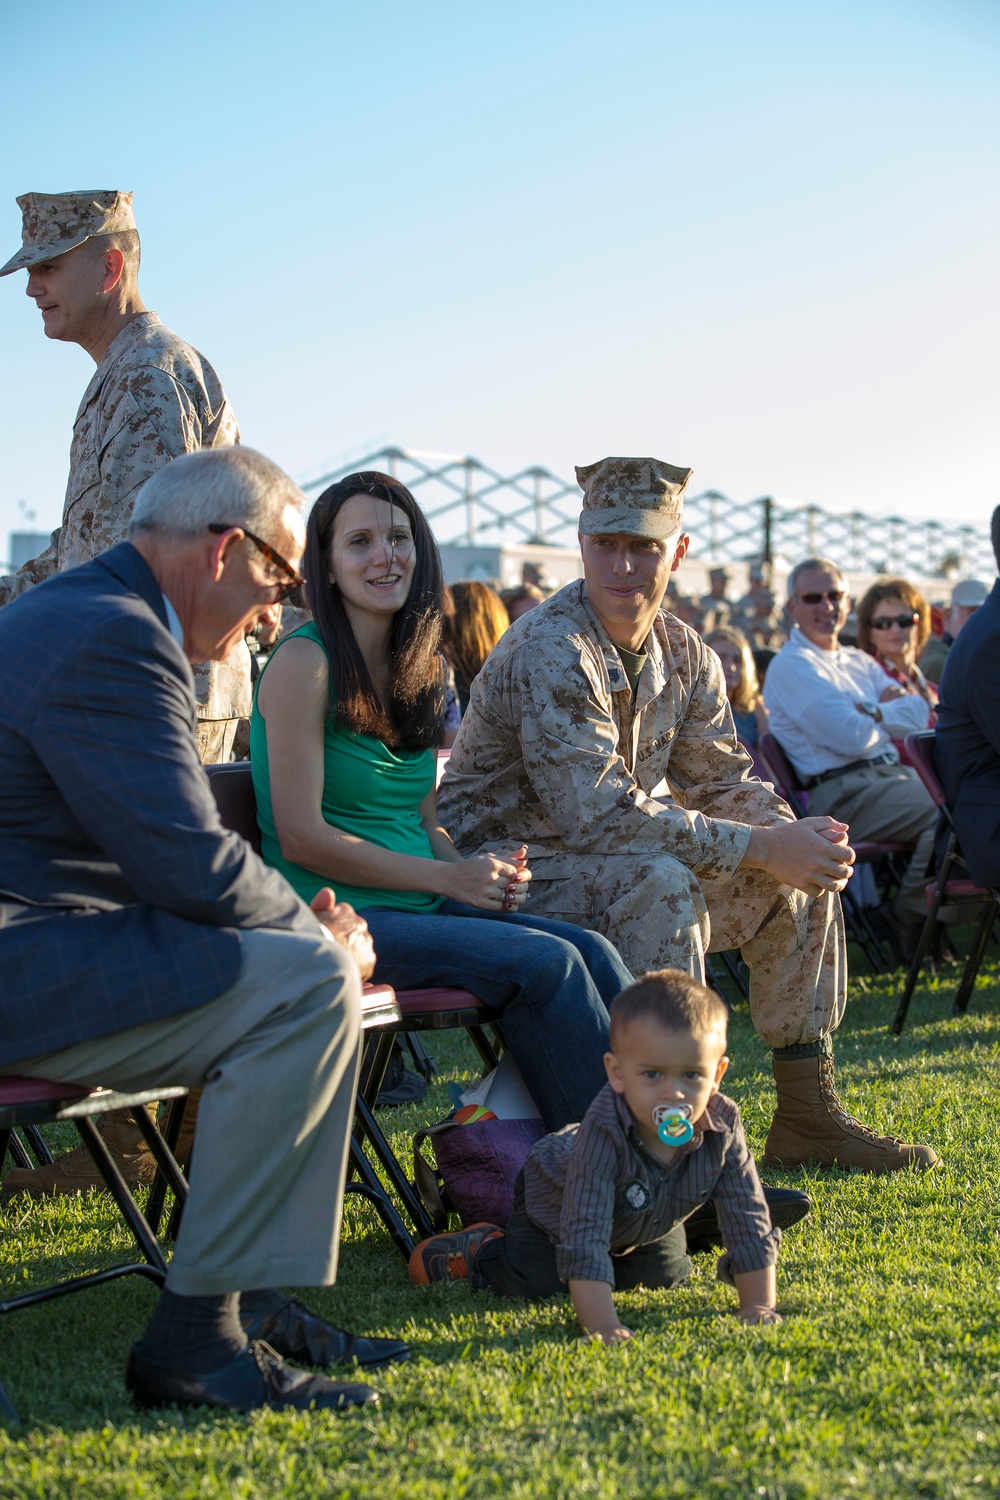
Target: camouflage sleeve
[
  {"x": 31, "y": 572},
  {"x": 155, "y": 421},
  {"x": 709, "y": 770},
  {"x": 569, "y": 743}
]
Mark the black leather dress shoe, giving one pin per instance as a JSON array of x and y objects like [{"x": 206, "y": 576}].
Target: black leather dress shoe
[
  {"x": 297, "y": 1333},
  {"x": 253, "y": 1378},
  {"x": 787, "y": 1206}
]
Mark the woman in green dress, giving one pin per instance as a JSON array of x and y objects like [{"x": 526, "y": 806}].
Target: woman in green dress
[{"x": 345, "y": 725}]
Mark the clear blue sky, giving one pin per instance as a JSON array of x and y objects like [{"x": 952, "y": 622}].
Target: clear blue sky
[{"x": 756, "y": 239}]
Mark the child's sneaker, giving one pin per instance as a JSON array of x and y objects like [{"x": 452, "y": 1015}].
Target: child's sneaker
[{"x": 450, "y": 1257}]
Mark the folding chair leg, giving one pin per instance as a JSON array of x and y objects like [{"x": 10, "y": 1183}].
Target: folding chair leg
[
  {"x": 369, "y": 1187},
  {"x": 422, "y": 1060},
  {"x": 732, "y": 968},
  {"x": 6, "y": 1407},
  {"x": 484, "y": 1047},
  {"x": 36, "y": 1141},
  {"x": 372, "y": 1131},
  {"x": 162, "y": 1155},
  {"x": 863, "y": 932},
  {"x": 923, "y": 947},
  {"x": 374, "y": 1061},
  {"x": 118, "y": 1190},
  {"x": 11, "y": 1141},
  {"x": 713, "y": 981},
  {"x": 975, "y": 958},
  {"x": 926, "y": 937},
  {"x": 171, "y": 1132}
]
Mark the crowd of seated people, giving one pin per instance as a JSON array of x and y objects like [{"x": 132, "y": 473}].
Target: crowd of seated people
[
  {"x": 144, "y": 945},
  {"x": 891, "y": 624},
  {"x": 349, "y": 710}
]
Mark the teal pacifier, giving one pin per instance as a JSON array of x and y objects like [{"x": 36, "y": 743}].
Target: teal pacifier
[{"x": 673, "y": 1123}]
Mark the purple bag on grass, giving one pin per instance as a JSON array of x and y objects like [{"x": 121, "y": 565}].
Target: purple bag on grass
[{"x": 477, "y": 1167}]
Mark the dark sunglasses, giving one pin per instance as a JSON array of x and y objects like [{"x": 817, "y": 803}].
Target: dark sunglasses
[
  {"x": 886, "y": 622},
  {"x": 834, "y": 596},
  {"x": 295, "y": 580}
]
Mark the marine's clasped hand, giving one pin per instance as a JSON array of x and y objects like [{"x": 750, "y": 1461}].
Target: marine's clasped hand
[{"x": 673, "y": 1123}]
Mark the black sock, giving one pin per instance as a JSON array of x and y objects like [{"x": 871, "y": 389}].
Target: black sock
[
  {"x": 194, "y": 1334},
  {"x": 261, "y": 1303}
]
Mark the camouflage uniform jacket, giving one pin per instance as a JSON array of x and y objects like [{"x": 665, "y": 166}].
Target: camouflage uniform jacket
[
  {"x": 553, "y": 752},
  {"x": 152, "y": 398}
]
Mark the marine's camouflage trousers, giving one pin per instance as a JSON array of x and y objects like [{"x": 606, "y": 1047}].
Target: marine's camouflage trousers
[
  {"x": 215, "y": 740},
  {"x": 658, "y": 915}
]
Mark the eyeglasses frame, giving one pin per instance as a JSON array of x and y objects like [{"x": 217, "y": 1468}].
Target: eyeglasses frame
[
  {"x": 814, "y": 597},
  {"x": 903, "y": 622},
  {"x": 296, "y": 581}
]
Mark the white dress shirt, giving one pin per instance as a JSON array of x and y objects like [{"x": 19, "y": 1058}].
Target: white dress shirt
[
  {"x": 174, "y": 623},
  {"x": 811, "y": 695}
]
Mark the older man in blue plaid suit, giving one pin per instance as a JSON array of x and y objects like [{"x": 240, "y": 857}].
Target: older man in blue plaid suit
[{"x": 142, "y": 944}]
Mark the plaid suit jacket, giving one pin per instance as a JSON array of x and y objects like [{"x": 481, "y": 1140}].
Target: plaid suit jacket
[{"x": 121, "y": 895}]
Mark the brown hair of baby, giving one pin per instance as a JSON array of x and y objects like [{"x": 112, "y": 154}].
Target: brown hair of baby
[{"x": 674, "y": 1001}]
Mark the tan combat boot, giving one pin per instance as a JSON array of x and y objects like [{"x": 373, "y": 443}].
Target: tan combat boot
[
  {"x": 75, "y": 1172},
  {"x": 811, "y": 1124}
]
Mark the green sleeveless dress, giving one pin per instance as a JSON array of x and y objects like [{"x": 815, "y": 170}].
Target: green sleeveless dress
[{"x": 368, "y": 790}]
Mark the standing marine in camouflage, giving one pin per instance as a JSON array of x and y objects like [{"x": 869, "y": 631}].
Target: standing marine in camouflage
[
  {"x": 599, "y": 734},
  {"x": 152, "y": 398}
]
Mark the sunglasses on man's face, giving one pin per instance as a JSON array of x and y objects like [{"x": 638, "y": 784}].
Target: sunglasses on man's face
[
  {"x": 904, "y": 622},
  {"x": 295, "y": 580},
  {"x": 834, "y": 596}
]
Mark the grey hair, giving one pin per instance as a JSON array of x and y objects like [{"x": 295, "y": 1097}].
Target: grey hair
[
  {"x": 811, "y": 565},
  {"x": 238, "y": 486}
]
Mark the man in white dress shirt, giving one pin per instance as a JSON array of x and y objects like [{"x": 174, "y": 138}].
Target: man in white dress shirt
[{"x": 836, "y": 713}]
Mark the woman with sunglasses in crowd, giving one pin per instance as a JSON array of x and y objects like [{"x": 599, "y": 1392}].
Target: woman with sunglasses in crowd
[
  {"x": 894, "y": 622},
  {"x": 346, "y": 719}
]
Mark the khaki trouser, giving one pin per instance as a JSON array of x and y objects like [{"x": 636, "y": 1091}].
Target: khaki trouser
[
  {"x": 277, "y": 1056},
  {"x": 658, "y": 915},
  {"x": 215, "y": 740},
  {"x": 885, "y": 802}
]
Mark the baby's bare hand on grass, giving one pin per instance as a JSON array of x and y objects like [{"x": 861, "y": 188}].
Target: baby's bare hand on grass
[
  {"x": 617, "y": 1333},
  {"x": 760, "y": 1315}
]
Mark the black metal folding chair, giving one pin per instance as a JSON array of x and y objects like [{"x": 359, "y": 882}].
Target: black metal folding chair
[
  {"x": 385, "y": 1016},
  {"x": 947, "y": 887},
  {"x": 878, "y": 852},
  {"x": 26, "y": 1103}
]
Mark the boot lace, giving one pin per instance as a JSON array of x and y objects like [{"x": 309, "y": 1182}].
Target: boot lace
[{"x": 828, "y": 1085}]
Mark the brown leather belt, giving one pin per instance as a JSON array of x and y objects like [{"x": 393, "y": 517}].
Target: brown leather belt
[{"x": 855, "y": 765}]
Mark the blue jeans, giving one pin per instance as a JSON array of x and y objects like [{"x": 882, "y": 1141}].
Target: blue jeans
[{"x": 553, "y": 982}]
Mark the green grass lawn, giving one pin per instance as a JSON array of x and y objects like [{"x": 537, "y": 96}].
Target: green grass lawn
[{"x": 883, "y": 1381}]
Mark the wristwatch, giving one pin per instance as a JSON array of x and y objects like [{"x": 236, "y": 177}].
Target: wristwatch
[{"x": 871, "y": 709}]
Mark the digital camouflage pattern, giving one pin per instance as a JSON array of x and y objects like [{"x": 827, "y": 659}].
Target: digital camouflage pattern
[
  {"x": 151, "y": 399},
  {"x": 553, "y": 753},
  {"x": 760, "y": 620},
  {"x": 640, "y": 496},
  {"x": 54, "y": 223}
]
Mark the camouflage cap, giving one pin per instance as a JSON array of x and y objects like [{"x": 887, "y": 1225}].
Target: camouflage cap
[
  {"x": 57, "y": 222},
  {"x": 640, "y": 496}
]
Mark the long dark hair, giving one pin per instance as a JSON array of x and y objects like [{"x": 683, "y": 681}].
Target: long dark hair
[{"x": 413, "y": 715}]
